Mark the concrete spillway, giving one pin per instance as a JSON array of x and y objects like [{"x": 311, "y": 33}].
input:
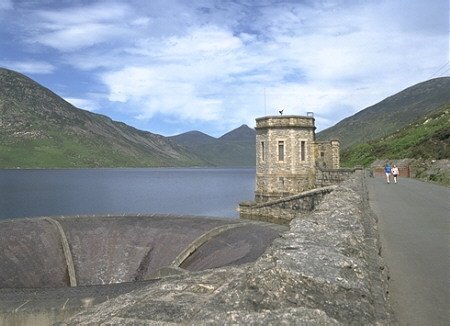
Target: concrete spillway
[
  {"x": 53, "y": 268},
  {"x": 74, "y": 251}
]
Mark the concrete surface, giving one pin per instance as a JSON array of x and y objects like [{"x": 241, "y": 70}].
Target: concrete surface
[
  {"x": 413, "y": 225},
  {"x": 114, "y": 249},
  {"x": 111, "y": 255}
]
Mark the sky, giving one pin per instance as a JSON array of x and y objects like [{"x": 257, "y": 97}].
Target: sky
[{"x": 172, "y": 66}]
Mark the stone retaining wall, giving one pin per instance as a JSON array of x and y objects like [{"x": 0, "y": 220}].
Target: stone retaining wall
[
  {"x": 327, "y": 177},
  {"x": 326, "y": 270},
  {"x": 282, "y": 211}
]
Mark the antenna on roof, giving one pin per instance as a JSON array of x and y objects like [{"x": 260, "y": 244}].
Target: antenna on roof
[{"x": 265, "y": 101}]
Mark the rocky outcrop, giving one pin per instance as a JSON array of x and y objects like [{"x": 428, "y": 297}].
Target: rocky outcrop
[{"x": 325, "y": 270}]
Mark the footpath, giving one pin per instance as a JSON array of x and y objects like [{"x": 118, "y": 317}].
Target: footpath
[{"x": 413, "y": 225}]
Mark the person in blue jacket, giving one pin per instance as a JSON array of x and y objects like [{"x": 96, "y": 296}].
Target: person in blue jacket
[{"x": 387, "y": 170}]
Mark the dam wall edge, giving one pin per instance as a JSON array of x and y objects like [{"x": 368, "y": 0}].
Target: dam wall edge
[{"x": 325, "y": 270}]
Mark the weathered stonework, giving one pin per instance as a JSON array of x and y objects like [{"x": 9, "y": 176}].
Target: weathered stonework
[
  {"x": 327, "y": 177},
  {"x": 287, "y": 156},
  {"x": 327, "y": 154},
  {"x": 290, "y": 162},
  {"x": 283, "y": 210}
]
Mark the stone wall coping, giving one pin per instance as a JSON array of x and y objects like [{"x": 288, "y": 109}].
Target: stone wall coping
[
  {"x": 308, "y": 193},
  {"x": 286, "y": 121},
  {"x": 118, "y": 215},
  {"x": 341, "y": 169},
  {"x": 284, "y": 117}
]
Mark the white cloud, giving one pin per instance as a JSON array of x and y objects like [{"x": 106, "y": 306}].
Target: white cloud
[
  {"x": 79, "y": 27},
  {"x": 77, "y": 37},
  {"x": 82, "y": 103},
  {"x": 153, "y": 90},
  {"x": 211, "y": 61},
  {"x": 29, "y": 67},
  {"x": 337, "y": 58},
  {"x": 96, "y": 12},
  {"x": 206, "y": 41},
  {"x": 182, "y": 75},
  {"x": 129, "y": 83}
]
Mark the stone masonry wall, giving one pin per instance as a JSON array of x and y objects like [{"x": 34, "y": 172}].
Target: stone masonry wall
[
  {"x": 283, "y": 210},
  {"x": 327, "y": 177},
  {"x": 325, "y": 270},
  {"x": 288, "y": 155},
  {"x": 327, "y": 154},
  {"x": 292, "y": 173}
]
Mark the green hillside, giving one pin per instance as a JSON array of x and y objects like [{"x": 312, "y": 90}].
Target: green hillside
[
  {"x": 38, "y": 129},
  {"x": 391, "y": 114},
  {"x": 428, "y": 138}
]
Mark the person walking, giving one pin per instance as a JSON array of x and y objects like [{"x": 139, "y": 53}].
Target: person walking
[
  {"x": 388, "y": 171},
  {"x": 395, "y": 173}
]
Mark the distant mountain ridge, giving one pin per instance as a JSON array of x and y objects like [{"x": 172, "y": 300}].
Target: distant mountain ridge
[
  {"x": 193, "y": 136},
  {"x": 391, "y": 114},
  {"x": 235, "y": 148},
  {"x": 243, "y": 133}
]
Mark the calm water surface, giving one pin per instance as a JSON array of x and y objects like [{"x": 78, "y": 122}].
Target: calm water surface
[{"x": 191, "y": 191}]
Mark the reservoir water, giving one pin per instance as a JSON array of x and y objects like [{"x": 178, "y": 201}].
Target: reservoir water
[{"x": 186, "y": 191}]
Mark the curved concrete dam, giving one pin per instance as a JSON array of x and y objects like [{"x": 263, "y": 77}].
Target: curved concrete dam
[{"x": 73, "y": 251}]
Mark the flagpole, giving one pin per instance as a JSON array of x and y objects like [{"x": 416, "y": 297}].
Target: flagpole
[{"x": 265, "y": 102}]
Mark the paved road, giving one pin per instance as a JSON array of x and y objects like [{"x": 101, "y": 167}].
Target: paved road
[{"x": 413, "y": 223}]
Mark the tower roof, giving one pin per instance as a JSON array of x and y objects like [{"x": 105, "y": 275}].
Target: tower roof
[{"x": 285, "y": 121}]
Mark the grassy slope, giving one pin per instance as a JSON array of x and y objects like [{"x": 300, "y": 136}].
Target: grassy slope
[
  {"x": 391, "y": 114},
  {"x": 58, "y": 147},
  {"x": 68, "y": 151},
  {"x": 428, "y": 138}
]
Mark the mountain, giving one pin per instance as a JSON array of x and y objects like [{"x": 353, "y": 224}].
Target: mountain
[
  {"x": 40, "y": 129},
  {"x": 241, "y": 134},
  {"x": 427, "y": 139},
  {"x": 193, "y": 137},
  {"x": 235, "y": 148},
  {"x": 391, "y": 114}
]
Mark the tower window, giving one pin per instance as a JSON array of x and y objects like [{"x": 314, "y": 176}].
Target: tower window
[
  {"x": 303, "y": 151},
  {"x": 263, "y": 152},
  {"x": 280, "y": 150}
]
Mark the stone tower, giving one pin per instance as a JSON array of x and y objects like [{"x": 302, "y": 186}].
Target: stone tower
[{"x": 288, "y": 156}]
